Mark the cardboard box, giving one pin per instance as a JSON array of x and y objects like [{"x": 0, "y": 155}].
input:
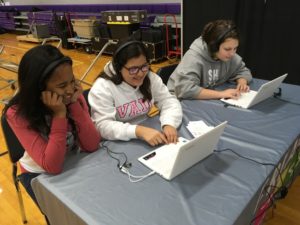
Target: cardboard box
[{"x": 85, "y": 28}]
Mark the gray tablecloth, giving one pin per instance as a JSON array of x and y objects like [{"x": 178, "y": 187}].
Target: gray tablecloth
[{"x": 222, "y": 189}]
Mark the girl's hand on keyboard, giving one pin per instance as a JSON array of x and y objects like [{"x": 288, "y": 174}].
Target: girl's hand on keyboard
[
  {"x": 170, "y": 133},
  {"x": 150, "y": 135}
]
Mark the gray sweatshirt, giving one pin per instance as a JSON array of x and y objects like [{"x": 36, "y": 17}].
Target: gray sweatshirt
[{"x": 198, "y": 69}]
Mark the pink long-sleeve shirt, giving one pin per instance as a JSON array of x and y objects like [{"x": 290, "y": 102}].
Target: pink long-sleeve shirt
[{"x": 48, "y": 154}]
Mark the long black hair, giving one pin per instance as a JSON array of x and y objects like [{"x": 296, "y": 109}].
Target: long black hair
[
  {"x": 35, "y": 69},
  {"x": 126, "y": 50}
]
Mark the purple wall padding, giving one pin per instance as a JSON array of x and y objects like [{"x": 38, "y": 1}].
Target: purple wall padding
[
  {"x": 80, "y": 12},
  {"x": 157, "y": 8}
]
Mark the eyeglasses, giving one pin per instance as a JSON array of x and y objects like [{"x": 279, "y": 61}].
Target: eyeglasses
[{"x": 135, "y": 69}]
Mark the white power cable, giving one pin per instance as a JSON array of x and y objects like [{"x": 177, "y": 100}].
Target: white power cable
[{"x": 136, "y": 178}]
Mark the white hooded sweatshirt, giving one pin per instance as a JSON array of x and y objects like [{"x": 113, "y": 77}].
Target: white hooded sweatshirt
[{"x": 117, "y": 109}]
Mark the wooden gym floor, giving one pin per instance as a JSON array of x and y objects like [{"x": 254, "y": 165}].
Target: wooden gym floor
[{"x": 287, "y": 211}]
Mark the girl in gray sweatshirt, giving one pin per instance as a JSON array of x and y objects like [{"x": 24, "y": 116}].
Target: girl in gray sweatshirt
[{"x": 211, "y": 61}]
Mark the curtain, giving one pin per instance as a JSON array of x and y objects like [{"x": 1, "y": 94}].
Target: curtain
[
  {"x": 279, "y": 51},
  {"x": 268, "y": 31}
]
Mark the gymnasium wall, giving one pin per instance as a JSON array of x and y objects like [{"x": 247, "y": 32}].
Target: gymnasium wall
[{"x": 64, "y": 2}]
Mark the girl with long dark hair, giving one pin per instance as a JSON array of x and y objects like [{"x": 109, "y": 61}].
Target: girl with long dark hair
[{"x": 49, "y": 114}]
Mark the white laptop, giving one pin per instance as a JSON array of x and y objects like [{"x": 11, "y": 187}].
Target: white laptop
[
  {"x": 173, "y": 159},
  {"x": 251, "y": 98}
]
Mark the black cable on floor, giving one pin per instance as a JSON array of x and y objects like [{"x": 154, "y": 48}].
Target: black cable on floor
[{"x": 3, "y": 153}]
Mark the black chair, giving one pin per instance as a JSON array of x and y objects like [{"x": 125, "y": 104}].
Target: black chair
[
  {"x": 15, "y": 151},
  {"x": 165, "y": 72},
  {"x": 85, "y": 95}
]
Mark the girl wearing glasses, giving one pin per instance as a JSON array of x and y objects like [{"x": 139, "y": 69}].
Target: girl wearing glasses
[{"x": 123, "y": 94}]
